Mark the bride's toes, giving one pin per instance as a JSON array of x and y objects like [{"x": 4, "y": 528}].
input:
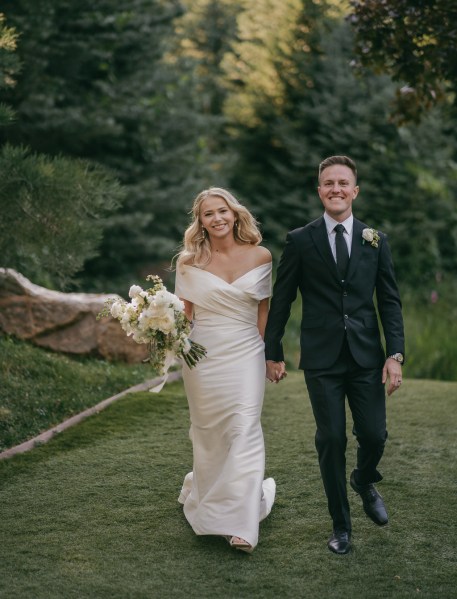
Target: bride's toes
[{"x": 241, "y": 544}]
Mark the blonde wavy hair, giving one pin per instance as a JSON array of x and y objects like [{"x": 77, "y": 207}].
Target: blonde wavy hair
[{"x": 196, "y": 247}]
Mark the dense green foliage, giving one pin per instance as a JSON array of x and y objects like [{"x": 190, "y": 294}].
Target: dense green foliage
[
  {"x": 53, "y": 209},
  {"x": 416, "y": 42},
  {"x": 96, "y": 84},
  {"x": 174, "y": 97},
  {"x": 407, "y": 175},
  {"x": 431, "y": 332},
  {"x": 9, "y": 66},
  {"x": 94, "y": 513},
  {"x": 52, "y": 213}
]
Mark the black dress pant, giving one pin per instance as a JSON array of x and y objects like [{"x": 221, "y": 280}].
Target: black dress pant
[{"x": 366, "y": 398}]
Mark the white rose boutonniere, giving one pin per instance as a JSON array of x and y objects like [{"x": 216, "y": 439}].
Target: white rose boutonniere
[{"x": 371, "y": 236}]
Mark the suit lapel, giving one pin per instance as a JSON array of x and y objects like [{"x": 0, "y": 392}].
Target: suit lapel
[
  {"x": 320, "y": 237},
  {"x": 356, "y": 248}
]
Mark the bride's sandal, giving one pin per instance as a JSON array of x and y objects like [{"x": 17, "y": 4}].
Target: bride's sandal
[{"x": 241, "y": 544}]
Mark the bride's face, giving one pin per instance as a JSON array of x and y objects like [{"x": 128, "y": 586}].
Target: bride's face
[{"x": 216, "y": 217}]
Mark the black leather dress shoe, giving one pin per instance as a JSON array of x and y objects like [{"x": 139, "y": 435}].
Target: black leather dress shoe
[
  {"x": 373, "y": 504},
  {"x": 340, "y": 542}
]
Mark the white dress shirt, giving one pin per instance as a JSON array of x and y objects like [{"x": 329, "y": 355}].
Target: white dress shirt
[{"x": 331, "y": 223}]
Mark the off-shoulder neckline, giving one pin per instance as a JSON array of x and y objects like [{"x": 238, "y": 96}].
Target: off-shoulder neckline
[{"x": 269, "y": 264}]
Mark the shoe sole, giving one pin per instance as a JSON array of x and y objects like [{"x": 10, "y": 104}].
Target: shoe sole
[{"x": 340, "y": 552}]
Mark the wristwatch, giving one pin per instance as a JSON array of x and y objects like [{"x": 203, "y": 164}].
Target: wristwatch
[{"x": 398, "y": 357}]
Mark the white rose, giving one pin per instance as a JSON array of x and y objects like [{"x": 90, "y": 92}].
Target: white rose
[
  {"x": 127, "y": 327},
  {"x": 137, "y": 302},
  {"x": 143, "y": 321},
  {"x": 368, "y": 235},
  {"x": 163, "y": 298},
  {"x": 128, "y": 315},
  {"x": 117, "y": 309},
  {"x": 146, "y": 322},
  {"x": 150, "y": 312},
  {"x": 135, "y": 290},
  {"x": 158, "y": 310},
  {"x": 178, "y": 304},
  {"x": 167, "y": 322}
]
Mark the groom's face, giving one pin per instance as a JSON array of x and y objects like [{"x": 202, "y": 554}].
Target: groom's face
[{"x": 337, "y": 190}]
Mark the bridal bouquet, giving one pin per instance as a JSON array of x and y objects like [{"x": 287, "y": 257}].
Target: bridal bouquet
[{"x": 156, "y": 317}]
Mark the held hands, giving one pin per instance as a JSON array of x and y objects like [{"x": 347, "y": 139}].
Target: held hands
[
  {"x": 392, "y": 369},
  {"x": 276, "y": 371}
]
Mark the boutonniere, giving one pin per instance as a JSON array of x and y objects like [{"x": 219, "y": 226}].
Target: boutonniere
[{"x": 370, "y": 235}]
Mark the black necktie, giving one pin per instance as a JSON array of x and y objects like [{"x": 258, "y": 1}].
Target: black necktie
[{"x": 342, "y": 254}]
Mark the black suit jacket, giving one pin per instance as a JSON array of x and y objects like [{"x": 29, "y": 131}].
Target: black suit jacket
[{"x": 331, "y": 307}]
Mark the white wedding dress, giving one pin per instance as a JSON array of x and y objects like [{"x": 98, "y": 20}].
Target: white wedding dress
[{"x": 225, "y": 494}]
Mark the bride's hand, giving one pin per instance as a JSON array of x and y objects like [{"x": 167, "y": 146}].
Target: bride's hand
[{"x": 276, "y": 371}]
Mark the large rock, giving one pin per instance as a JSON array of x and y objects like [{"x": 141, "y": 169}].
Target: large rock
[{"x": 63, "y": 322}]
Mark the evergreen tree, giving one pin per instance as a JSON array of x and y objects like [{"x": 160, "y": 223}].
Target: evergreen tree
[
  {"x": 9, "y": 67},
  {"x": 96, "y": 84},
  {"x": 53, "y": 209},
  {"x": 53, "y": 213},
  {"x": 326, "y": 110}
]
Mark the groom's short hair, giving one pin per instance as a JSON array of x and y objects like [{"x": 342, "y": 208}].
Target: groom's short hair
[{"x": 344, "y": 160}]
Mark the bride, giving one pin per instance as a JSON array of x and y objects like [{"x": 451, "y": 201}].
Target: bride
[{"x": 224, "y": 278}]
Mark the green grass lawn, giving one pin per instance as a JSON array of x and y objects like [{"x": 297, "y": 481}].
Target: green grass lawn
[
  {"x": 94, "y": 513},
  {"x": 39, "y": 388}
]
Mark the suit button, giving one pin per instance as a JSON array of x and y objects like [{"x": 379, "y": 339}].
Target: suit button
[{"x": 346, "y": 316}]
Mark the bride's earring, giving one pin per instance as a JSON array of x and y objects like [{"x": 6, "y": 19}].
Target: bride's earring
[{"x": 203, "y": 233}]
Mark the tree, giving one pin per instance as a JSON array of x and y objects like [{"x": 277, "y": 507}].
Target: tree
[
  {"x": 406, "y": 174},
  {"x": 9, "y": 66},
  {"x": 53, "y": 209},
  {"x": 416, "y": 43},
  {"x": 95, "y": 85},
  {"x": 193, "y": 139},
  {"x": 275, "y": 135},
  {"x": 53, "y": 213}
]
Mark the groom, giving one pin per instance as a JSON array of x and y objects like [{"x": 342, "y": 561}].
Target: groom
[{"x": 338, "y": 263}]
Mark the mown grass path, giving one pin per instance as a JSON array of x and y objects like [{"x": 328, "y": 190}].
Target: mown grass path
[{"x": 94, "y": 513}]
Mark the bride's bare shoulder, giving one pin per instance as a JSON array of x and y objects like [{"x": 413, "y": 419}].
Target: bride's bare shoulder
[
  {"x": 188, "y": 262},
  {"x": 181, "y": 266},
  {"x": 261, "y": 255}
]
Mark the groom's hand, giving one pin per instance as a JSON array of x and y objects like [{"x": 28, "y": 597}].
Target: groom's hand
[
  {"x": 392, "y": 370},
  {"x": 276, "y": 371}
]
